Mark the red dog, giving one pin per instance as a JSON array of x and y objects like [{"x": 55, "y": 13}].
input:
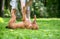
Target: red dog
[
  {"x": 12, "y": 23},
  {"x": 24, "y": 24}
]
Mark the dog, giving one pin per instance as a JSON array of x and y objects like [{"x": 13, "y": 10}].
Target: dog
[{"x": 12, "y": 22}]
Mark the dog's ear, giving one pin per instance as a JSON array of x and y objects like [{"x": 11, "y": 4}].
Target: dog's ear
[{"x": 29, "y": 3}]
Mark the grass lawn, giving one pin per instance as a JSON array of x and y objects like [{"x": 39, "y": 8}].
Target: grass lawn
[{"x": 48, "y": 29}]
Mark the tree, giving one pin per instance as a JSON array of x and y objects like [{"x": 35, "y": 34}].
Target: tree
[
  {"x": 52, "y": 8},
  {"x": 28, "y": 11},
  {"x": 27, "y": 4},
  {"x": 1, "y": 14}
]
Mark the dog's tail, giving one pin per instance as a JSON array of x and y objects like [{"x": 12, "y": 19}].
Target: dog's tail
[{"x": 34, "y": 19}]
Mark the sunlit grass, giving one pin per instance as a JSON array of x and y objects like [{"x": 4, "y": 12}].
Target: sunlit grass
[{"x": 48, "y": 29}]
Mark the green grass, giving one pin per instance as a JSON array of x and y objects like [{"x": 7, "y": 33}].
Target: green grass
[{"x": 48, "y": 29}]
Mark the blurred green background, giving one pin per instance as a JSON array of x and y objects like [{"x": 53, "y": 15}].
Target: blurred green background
[
  {"x": 48, "y": 20},
  {"x": 42, "y": 8}
]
